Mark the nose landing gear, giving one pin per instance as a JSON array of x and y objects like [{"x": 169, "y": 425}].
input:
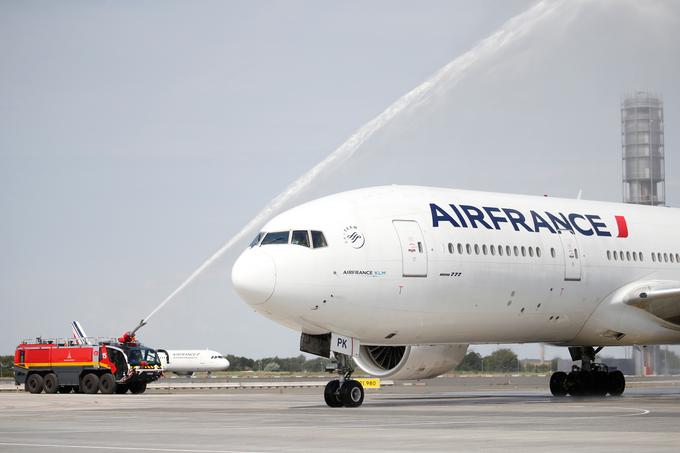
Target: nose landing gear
[
  {"x": 344, "y": 391},
  {"x": 590, "y": 379}
]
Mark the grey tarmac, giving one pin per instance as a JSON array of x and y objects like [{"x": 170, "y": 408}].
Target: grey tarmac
[{"x": 508, "y": 413}]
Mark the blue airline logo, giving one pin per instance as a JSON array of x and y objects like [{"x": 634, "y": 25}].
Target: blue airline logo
[{"x": 492, "y": 218}]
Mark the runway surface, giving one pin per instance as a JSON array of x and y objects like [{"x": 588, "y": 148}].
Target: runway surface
[{"x": 495, "y": 414}]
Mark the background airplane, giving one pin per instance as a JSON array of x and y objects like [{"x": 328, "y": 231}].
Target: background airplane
[{"x": 189, "y": 361}]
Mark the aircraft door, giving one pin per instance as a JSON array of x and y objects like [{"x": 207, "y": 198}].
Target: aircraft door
[
  {"x": 413, "y": 250},
  {"x": 572, "y": 255}
]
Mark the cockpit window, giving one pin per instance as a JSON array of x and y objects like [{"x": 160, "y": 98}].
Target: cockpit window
[
  {"x": 300, "y": 237},
  {"x": 256, "y": 240},
  {"x": 277, "y": 237},
  {"x": 318, "y": 239}
]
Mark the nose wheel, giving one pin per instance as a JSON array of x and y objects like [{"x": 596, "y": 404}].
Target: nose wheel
[{"x": 345, "y": 391}]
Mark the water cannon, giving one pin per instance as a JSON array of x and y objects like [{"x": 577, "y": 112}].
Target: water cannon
[
  {"x": 127, "y": 338},
  {"x": 142, "y": 323}
]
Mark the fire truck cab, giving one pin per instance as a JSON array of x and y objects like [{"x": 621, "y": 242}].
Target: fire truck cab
[{"x": 86, "y": 365}]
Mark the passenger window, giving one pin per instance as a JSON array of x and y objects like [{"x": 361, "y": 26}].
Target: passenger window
[
  {"x": 538, "y": 252},
  {"x": 450, "y": 248},
  {"x": 420, "y": 247},
  {"x": 493, "y": 250},
  {"x": 653, "y": 257},
  {"x": 256, "y": 240},
  {"x": 484, "y": 249},
  {"x": 672, "y": 258},
  {"x": 300, "y": 237},
  {"x": 468, "y": 249},
  {"x": 318, "y": 240},
  {"x": 634, "y": 256},
  {"x": 516, "y": 250},
  {"x": 609, "y": 255},
  {"x": 278, "y": 237},
  {"x": 460, "y": 248},
  {"x": 500, "y": 250},
  {"x": 677, "y": 258},
  {"x": 665, "y": 257},
  {"x": 524, "y": 251},
  {"x": 476, "y": 249},
  {"x": 552, "y": 252},
  {"x": 531, "y": 252},
  {"x": 627, "y": 256},
  {"x": 641, "y": 256}
]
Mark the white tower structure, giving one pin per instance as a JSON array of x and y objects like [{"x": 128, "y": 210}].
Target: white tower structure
[{"x": 643, "y": 149}]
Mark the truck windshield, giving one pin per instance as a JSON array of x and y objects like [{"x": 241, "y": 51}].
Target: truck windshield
[{"x": 138, "y": 355}]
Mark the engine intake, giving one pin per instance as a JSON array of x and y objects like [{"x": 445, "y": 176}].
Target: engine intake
[{"x": 410, "y": 362}]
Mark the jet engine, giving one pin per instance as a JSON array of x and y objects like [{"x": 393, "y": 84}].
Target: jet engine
[{"x": 410, "y": 362}]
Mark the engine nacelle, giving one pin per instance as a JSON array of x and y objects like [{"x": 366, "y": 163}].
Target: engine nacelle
[{"x": 410, "y": 362}]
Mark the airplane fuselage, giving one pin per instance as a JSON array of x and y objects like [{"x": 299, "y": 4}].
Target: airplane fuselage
[
  {"x": 417, "y": 265},
  {"x": 188, "y": 361}
]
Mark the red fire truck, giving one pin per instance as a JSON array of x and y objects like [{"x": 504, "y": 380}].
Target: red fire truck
[{"x": 85, "y": 365}]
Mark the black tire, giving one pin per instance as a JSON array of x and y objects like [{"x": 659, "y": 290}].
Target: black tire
[
  {"x": 89, "y": 384},
  {"x": 65, "y": 389},
  {"x": 600, "y": 383},
  {"x": 138, "y": 387},
  {"x": 558, "y": 384},
  {"x": 107, "y": 384},
  {"x": 121, "y": 389},
  {"x": 51, "y": 383},
  {"x": 616, "y": 383},
  {"x": 331, "y": 394},
  {"x": 577, "y": 383},
  {"x": 34, "y": 383},
  {"x": 352, "y": 393}
]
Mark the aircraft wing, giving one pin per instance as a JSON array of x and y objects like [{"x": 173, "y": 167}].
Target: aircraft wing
[{"x": 660, "y": 298}]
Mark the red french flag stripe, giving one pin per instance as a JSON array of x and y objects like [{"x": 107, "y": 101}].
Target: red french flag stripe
[{"x": 623, "y": 226}]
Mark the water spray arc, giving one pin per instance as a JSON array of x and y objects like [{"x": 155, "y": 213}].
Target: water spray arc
[{"x": 449, "y": 76}]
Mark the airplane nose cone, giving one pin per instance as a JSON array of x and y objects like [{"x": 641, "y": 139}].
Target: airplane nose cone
[{"x": 254, "y": 276}]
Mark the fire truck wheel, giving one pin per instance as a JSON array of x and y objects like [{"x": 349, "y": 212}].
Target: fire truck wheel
[
  {"x": 121, "y": 389},
  {"x": 138, "y": 387},
  {"x": 51, "y": 383},
  {"x": 89, "y": 384},
  {"x": 107, "y": 384},
  {"x": 34, "y": 383},
  {"x": 65, "y": 389}
]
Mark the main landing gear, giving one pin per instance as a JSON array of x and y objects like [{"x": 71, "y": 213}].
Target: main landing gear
[
  {"x": 344, "y": 391},
  {"x": 591, "y": 379}
]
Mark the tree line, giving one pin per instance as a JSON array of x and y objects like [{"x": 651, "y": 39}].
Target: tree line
[
  {"x": 6, "y": 364},
  {"x": 501, "y": 360}
]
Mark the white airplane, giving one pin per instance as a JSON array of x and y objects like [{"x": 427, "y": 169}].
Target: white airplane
[
  {"x": 187, "y": 362},
  {"x": 403, "y": 278}
]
